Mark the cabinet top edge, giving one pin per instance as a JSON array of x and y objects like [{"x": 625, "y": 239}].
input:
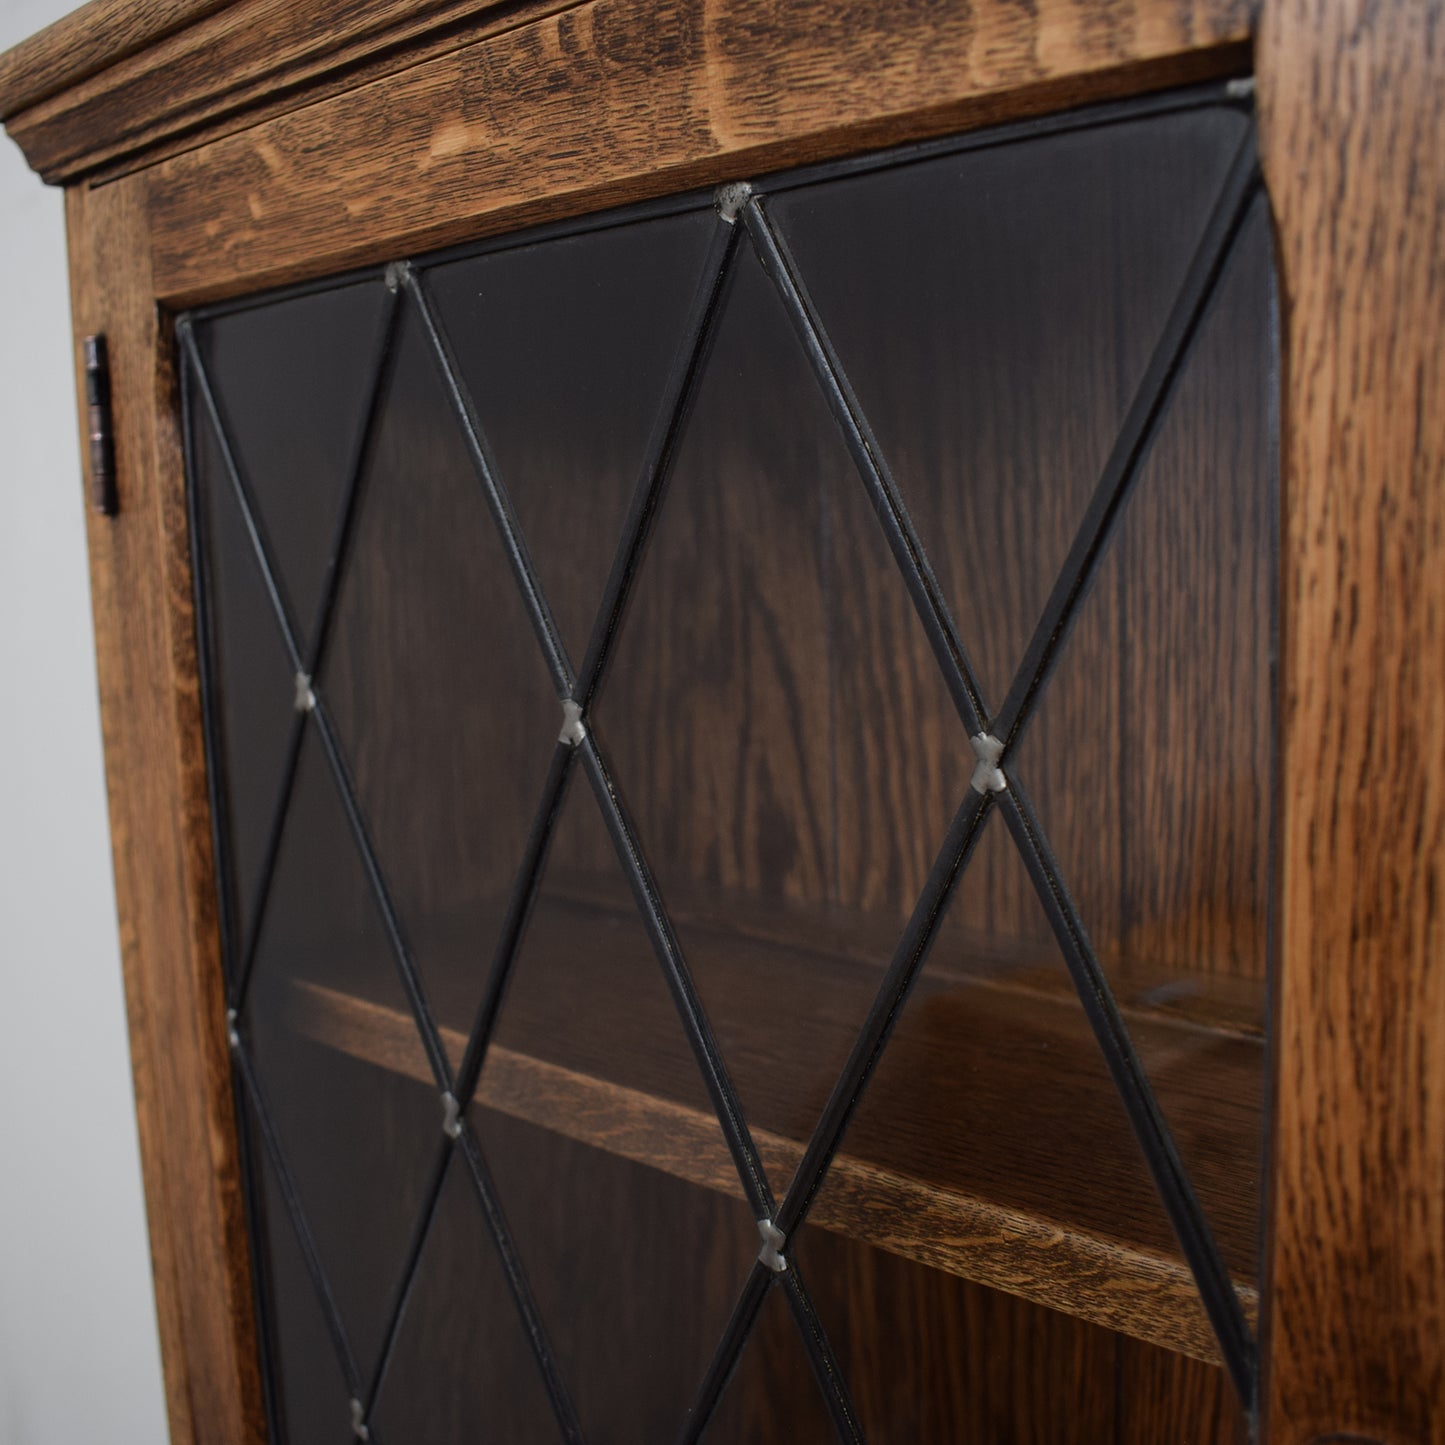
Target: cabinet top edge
[
  {"x": 118, "y": 85},
  {"x": 99, "y": 34}
]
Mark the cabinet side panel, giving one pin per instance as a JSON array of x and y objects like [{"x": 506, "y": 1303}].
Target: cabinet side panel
[
  {"x": 1353, "y": 130},
  {"x": 160, "y": 830}
]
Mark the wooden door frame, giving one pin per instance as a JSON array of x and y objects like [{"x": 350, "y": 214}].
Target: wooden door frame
[{"x": 424, "y": 122}]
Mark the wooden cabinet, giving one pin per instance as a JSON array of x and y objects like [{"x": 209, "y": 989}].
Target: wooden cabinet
[{"x": 782, "y": 811}]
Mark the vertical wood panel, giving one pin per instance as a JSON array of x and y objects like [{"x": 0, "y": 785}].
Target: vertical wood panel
[
  {"x": 1166, "y": 1399},
  {"x": 930, "y": 1357},
  {"x": 160, "y": 829},
  {"x": 1353, "y": 133},
  {"x": 716, "y": 711},
  {"x": 1197, "y": 553}
]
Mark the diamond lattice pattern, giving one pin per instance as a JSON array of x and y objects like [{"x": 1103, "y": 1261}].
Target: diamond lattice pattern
[{"x": 619, "y": 644}]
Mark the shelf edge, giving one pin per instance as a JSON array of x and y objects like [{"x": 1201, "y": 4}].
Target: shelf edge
[{"x": 1136, "y": 1292}]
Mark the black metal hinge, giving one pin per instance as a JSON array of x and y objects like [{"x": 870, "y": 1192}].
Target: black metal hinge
[{"x": 102, "y": 438}]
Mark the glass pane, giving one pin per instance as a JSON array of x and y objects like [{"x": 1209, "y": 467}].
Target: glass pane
[
  {"x": 992, "y": 1141},
  {"x": 995, "y": 310},
  {"x": 776, "y": 721},
  {"x": 334, "y": 1047},
  {"x": 1164, "y": 1397},
  {"x": 930, "y": 1357},
  {"x": 784, "y": 742},
  {"x": 310, "y": 1394},
  {"x": 565, "y": 347},
  {"x": 442, "y": 702},
  {"x": 291, "y": 384},
  {"x": 1165, "y": 690},
  {"x": 606, "y": 1150},
  {"x": 773, "y": 1394},
  {"x": 462, "y": 1369},
  {"x": 252, "y": 682}
]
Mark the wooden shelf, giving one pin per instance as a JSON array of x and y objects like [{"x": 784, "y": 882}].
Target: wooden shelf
[{"x": 991, "y": 1144}]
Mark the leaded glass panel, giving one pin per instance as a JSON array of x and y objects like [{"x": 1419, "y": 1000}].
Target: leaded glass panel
[{"x": 741, "y": 740}]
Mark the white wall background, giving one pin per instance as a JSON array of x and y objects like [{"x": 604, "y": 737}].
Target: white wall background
[{"x": 79, "y": 1357}]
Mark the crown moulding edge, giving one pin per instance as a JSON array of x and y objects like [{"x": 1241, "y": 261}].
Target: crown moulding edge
[{"x": 117, "y": 84}]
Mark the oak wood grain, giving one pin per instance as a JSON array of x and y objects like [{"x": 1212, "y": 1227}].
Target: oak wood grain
[
  {"x": 635, "y": 1270},
  {"x": 961, "y": 1362},
  {"x": 970, "y": 1168},
  {"x": 958, "y": 1362},
  {"x": 248, "y": 61},
  {"x": 161, "y": 839},
  {"x": 619, "y": 99},
  {"x": 773, "y": 1394},
  {"x": 1351, "y": 104},
  {"x": 1165, "y": 1398},
  {"x": 88, "y": 39},
  {"x": 1197, "y": 558},
  {"x": 1352, "y": 127}
]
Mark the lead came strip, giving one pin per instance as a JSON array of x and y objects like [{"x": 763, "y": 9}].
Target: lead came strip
[{"x": 1192, "y": 1230}]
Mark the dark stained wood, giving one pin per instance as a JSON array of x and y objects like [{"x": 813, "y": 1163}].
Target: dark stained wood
[
  {"x": 955, "y": 1361},
  {"x": 724, "y": 699},
  {"x": 1352, "y": 127},
  {"x": 115, "y": 86},
  {"x": 773, "y": 1394},
  {"x": 634, "y": 1270},
  {"x": 88, "y": 39},
  {"x": 619, "y": 99},
  {"x": 161, "y": 838},
  {"x": 793, "y": 704},
  {"x": 1222, "y": 1005},
  {"x": 978, "y": 1165},
  {"x": 794, "y": 701},
  {"x": 616, "y": 100},
  {"x": 1196, "y": 570},
  {"x": 1164, "y": 1398},
  {"x": 1149, "y": 756},
  {"x": 249, "y": 61}
]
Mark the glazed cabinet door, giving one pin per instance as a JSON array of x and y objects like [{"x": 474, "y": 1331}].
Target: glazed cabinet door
[
  {"x": 772, "y": 707},
  {"x": 742, "y": 741}
]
